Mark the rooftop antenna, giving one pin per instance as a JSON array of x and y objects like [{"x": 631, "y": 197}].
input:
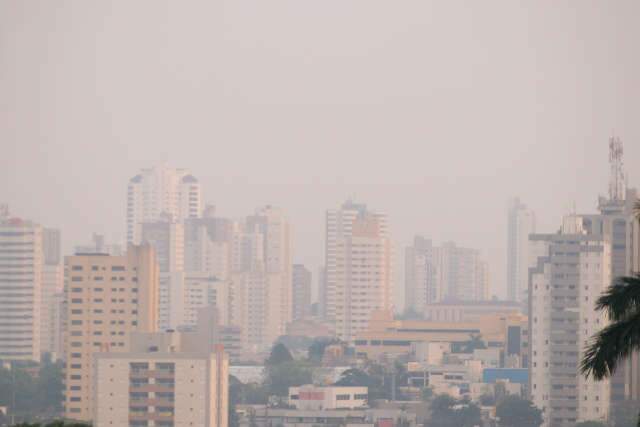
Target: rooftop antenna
[{"x": 617, "y": 178}]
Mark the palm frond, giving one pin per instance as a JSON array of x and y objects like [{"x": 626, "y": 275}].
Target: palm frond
[
  {"x": 622, "y": 299},
  {"x": 609, "y": 346}
]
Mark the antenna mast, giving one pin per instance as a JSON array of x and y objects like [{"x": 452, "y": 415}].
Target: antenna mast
[{"x": 617, "y": 179}]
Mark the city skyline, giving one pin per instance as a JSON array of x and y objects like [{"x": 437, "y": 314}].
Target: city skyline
[{"x": 417, "y": 108}]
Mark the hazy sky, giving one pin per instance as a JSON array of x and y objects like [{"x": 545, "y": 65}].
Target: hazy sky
[{"x": 434, "y": 112}]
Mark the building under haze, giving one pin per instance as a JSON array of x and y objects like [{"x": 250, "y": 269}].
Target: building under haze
[
  {"x": 434, "y": 274},
  {"x": 358, "y": 262},
  {"x": 261, "y": 278},
  {"x": 52, "y": 295},
  {"x": 521, "y": 222},
  {"x": 162, "y": 380},
  {"x": 573, "y": 267},
  {"x": 421, "y": 287},
  {"x": 569, "y": 270},
  {"x": 301, "y": 298},
  {"x": 108, "y": 298},
  {"x": 161, "y": 192},
  {"x": 461, "y": 273},
  {"x": 21, "y": 275}
]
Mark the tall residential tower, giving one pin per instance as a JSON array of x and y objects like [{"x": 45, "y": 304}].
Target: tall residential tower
[
  {"x": 521, "y": 222},
  {"x": 358, "y": 262},
  {"x": 158, "y": 193}
]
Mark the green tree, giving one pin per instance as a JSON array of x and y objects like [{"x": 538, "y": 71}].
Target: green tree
[
  {"x": 287, "y": 374},
  {"x": 591, "y": 424},
  {"x": 449, "y": 412},
  {"x": 475, "y": 343},
  {"x": 426, "y": 394},
  {"x": 50, "y": 387},
  {"x": 279, "y": 354},
  {"x": 514, "y": 411},
  {"x": 317, "y": 347}
]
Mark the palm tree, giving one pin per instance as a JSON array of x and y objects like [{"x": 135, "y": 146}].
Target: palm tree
[{"x": 617, "y": 341}]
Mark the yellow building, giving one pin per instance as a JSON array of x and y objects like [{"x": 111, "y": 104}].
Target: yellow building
[
  {"x": 108, "y": 298},
  {"x": 388, "y": 336}
]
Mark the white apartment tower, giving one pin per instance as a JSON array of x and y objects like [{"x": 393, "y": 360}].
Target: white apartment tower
[
  {"x": 160, "y": 192},
  {"x": 521, "y": 222},
  {"x": 21, "y": 261},
  {"x": 358, "y": 261},
  {"x": 572, "y": 269}
]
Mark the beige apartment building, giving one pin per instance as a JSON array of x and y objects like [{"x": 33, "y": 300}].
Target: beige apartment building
[
  {"x": 108, "y": 298},
  {"x": 162, "y": 381},
  {"x": 359, "y": 276}
]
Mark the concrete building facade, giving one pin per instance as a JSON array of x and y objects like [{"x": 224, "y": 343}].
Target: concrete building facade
[
  {"x": 301, "y": 299},
  {"x": 161, "y": 382},
  {"x": 358, "y": 262},
  {"x": 107, "y": 298},
  {"x": 21, "y": 275},
  {"x": 572, "y": 269},
  {"x": 521, "y": 222},
  {"x": 161, "y": 192}
]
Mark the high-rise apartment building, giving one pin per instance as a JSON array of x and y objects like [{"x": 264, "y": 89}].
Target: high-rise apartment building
[
  {"x": 572, "y": 269},
  {"x": 421, "y": 287},
  {"x": 21, "y": 264},
  {"x": 99, "y": 245},
  {"x": 521, "y": 222},
  {"x": 301, "y": 306},
  {"x": 358, "y": 262},
  {"x": 107, "y": 298},
  {"x": 616, "y": 227},
  {"x": 161, "y": 192},
  {"x": 261, "y": 284},
  {"x": 52, "y": 296},
  {"x": 208, "y": 243},
  {"x": 162, "y": 381},
  {"x": 448, "y": 272},
  {"x": 167, "y": 238},
  {"x": 461, "y": 273}
]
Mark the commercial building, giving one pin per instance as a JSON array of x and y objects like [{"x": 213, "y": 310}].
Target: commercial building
[
  {"x": 358, "y": 262},
  {"x": 160, "y": 192},
  {"x": 301, "y": 300},
  {"x": 107, "y": 298},
  {"x": 21, "y": 275},
  {"x": 468, "y": 311},
  {"x": 521, "y": 222},
  {"x": 264, "y": 416},
  {"x": 162, "y": 381},
  {"x": 313, "y": 398},
  {"x": 387, "y": 336}
]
